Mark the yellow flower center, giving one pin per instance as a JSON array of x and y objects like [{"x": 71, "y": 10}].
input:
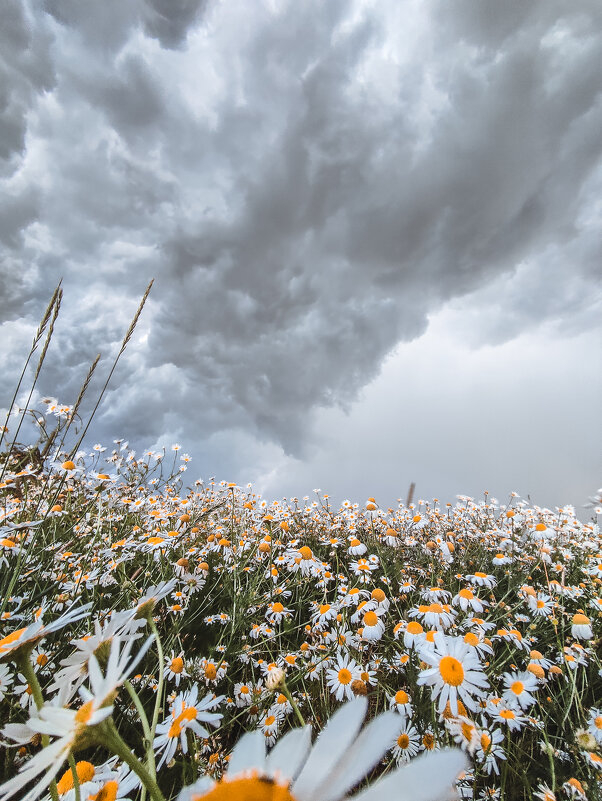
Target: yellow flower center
[
  {"x": 467, "y": 594},
  {"x": 177, "y": 665},
  {"x": 580, "y": 620},
  {"x": 598, "y": 722},
  {"x": 370, "y": 619},
  {"x": 485, "y": 741},
  {"x": 507, "y": 714},
  {"x": 324, "y": 608},
  {"x": 414, "y": 627},
  {"x": 403, "y": 741},
  {"x": 471, "y": 639},
  {"x": 378, "y": 595},
  {"x": 277, "y": 607},
  {"x": 517, "y": 687},
  {"x": 256, "y": 788},
  {"x": 176, "y": 727},
  {"x": 401, "y": 697},
  {"x": 12, "y": 637},
  {"x": 84, "y": 713},
  {"x": 344, "y": 676},
  {"x": 451, "y": 671},
  {"x": 85, "y": 773},
  {"x": 108, "y": 792},
  {"x": 306, "y": 553}
]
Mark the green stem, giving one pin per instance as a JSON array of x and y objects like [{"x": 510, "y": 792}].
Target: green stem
[
  {"x": 112, "y": 739},
  {"x": 293, "y": 703},
  {"x": 76, "y": 787},
  {"x": 27, "y": 670},
  {"x": 140, "y": 709}
]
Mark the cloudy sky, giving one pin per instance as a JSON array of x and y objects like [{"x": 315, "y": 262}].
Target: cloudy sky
[{"x": 374, "y": 229}]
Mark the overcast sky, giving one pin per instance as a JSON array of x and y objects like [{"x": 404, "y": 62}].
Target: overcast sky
[{"x": 374, "y": 228}]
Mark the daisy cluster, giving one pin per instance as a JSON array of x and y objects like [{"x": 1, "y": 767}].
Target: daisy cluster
[{"x": 139, "y": 616}]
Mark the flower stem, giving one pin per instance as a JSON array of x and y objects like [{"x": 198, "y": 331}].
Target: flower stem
[
  {"x": 27, "y": 670},
  {"x": 111, "y": 738}
]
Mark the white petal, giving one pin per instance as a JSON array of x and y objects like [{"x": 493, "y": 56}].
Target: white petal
[
  {"x": 430, "y": 777},
  {"x": 341, "y": 730},
  {"x": 289, "y": 753},
  {"x": 249, "y": 752},
  {"x": 374, "y": 740}
]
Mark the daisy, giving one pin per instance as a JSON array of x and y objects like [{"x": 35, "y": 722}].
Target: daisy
[
  {"x": 490, "y": 750},
  {"x": 340, "y": 677},
  {"x": 519, "y": 687},
  {"x": 482, "y": 580},
  {"x": 455, "y": 672},
  {"x": 413, "y": 635},
  {"x": 402, "y": 702},
  {"x": 185, "y": 713},
  {"x": 277, "y": 612},
  {"x": 501, "y": 713},
  {"x": 323, "y": 613},
  {"x": 174, "y": 668},
  {"x": 581, "y": 628},
  {"x": 340, "y": 758},
  {"x": 407, "y": 742},
  {"x": 594, "y": 724},
  {"x": 73, "y": 728},
  {"x": 466, "y": 599},
  {"x": 373, "y": 628},
  {"x": 6, "y": 679},
  {"x": 24, "y": 639}
]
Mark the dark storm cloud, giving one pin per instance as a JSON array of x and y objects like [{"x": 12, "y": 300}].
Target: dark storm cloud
[{"x": 307, "y": 186}]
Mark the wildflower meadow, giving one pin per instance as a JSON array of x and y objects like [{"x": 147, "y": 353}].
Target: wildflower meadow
[{"x": 169, "y": 639}]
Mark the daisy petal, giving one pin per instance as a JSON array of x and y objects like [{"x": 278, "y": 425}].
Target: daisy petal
[
  {"x": 249, "y": 752},
  {"x": 428, "y": 778},
  {"x": 289, "y": 753},
  {"x": 340, "y": 731},
  {"x": 374, "y": 740}
]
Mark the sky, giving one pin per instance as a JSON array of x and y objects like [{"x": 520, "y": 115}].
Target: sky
[{"x": 374, "y": 230}]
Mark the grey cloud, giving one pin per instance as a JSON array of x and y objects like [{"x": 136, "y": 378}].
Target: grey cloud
[
  {"x": 301, "y": 213},
  {"x": 26, "y": 70}
]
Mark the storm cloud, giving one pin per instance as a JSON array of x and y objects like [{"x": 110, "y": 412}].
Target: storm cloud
[{"x": 308, "y": 183}]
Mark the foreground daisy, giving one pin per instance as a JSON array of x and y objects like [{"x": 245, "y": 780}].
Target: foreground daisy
[{"x": 341, "y": 757}]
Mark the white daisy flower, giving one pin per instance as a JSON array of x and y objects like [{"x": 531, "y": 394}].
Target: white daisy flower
[
  {"x": 341, "y": 676},
  {"x": 407, "y": 742},
  {"x": 519, "y": 687},
  {"x": 340, "y": 759},
  {"x": 456, "y": 672},
  {"x": 185, "y": 713}
]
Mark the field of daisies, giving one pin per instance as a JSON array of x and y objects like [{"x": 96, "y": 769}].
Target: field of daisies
[{"x": 200, "y": 643}]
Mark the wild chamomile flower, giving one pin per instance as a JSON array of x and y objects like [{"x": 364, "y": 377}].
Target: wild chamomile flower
[
  {"x": 456, "y": 672},
  {"x": 340, "y": 758},
  {"x": 519, "y": 687},
  {"x": 341, "y": 675},
  {"x": 185, "y": 713},
  {"x": 73, "y": 728},
  {"x": 175, "y": 668},
  {"x": 407, "y": 742},
  {"x": 24, "y": 639},
  {"x": 594, "y": 724}
]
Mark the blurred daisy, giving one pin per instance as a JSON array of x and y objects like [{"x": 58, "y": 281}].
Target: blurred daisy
[
  {"x": 185, "y": 714},
  {"x": 594, "y": 724},
  {"x": 15, "y": 643},
  {"x": 340, "y": 758}
]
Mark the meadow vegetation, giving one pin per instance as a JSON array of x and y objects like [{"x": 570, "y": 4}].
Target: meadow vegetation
[{"x": 148, "y": 623}]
